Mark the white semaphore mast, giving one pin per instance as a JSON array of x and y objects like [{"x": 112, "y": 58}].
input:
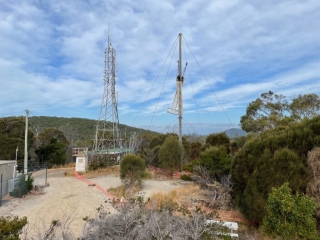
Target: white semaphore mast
[{"x": 177, "y": 105}]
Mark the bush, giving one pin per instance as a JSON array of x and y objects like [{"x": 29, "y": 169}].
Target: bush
[
  {"x": 271, "y": 159},
  {"x": 217, "y": 161},
  {"x": 186, "y": 177},
  {"x": 136, "y": 219},
  {"x": 102, "y": 161},
  {"x": 24, "y": 186},
  {"x": 290, "y": 216},
  {"x": 147, "y": 175},
  {"x": 188, "y": 168},
  {"x": 11, "y": 226},
  {"x": 132, "y": 168},
  {"x": 218, "y": 139},
  {"x": 170, "y": 154},
  {"x": 118, "y": 191}
]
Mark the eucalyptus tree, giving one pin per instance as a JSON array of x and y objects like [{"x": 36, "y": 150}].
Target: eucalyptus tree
[
  {"x": 272, "y": 110},
  {"x": 12, "y": 131},
  {"x": 274, "y": 157},
  {"x": 52, "y": 147}
]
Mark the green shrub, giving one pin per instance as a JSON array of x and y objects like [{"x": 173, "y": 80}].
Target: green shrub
[
  {"x": 102, "y": 161},
  {"x": 290, "y": 216},
  {"x": 147, "y": 175},
  {"x": 132, "y": 168},
  {"x": 188, "y": 168},
  {"x": 11, "y": 226},
  {"x": 216, "y": 160},
  {"x": 24, "y": 186},
  {"x": 185, "y": 177},
  {"x": 170, "y": 154},
  {"x": 95, "y": 165}
]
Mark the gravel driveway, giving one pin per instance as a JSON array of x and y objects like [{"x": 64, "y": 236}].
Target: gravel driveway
[{"x": 69, "y": 196}]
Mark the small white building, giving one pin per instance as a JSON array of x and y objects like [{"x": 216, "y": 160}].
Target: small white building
[
  {"x": 81, "y": 155},
  {"x": 8, "y": 171}
]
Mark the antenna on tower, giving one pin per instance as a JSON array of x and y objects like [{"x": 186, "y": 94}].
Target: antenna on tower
[{"x": 108, "y": 34}]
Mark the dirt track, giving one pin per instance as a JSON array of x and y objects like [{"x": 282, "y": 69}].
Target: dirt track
[{"x": 69, "y": 196}]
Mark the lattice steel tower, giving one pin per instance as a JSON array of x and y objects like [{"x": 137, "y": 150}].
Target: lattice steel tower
[{"x": 107, "y": 129}]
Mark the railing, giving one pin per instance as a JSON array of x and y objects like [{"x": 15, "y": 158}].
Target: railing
[{"x": 79, "y": 151}]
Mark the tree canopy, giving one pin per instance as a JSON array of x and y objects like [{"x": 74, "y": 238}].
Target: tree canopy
[
  {"x": 216, "y": 161},
  {"x": 12, "y": 132},
  {"x": 273, "y": 158},
  {"x": 305, "y": 106},
  {"x": 271, "y": 110},
  {"x": 159, "y": 145},
  {"x": 195, "y": 149},
  {"x": 77, "y": 128},
  {"x": 218, "y": 139},
  {"x": 52, "y": 147}
]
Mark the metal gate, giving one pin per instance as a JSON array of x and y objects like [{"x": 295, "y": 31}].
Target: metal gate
[{"x": 13, "y": 184}]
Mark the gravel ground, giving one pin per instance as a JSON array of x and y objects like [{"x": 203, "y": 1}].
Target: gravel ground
[{"x": 69, "y": 196}]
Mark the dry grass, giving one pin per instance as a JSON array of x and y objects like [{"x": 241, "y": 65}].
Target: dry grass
[
  {"x": 118, "y": 192},
  {"x": 115, "y": 170},
  {"x": 69, "y": 165},
  {"x": 249, "y": 232},
  {"x": 165, "y": 200},
  {"x": 69, "y": 173},
  {"x": 188, "y": 190},
  {"x": 176, "y": 196},
  {"x": 123, "y": 191}
]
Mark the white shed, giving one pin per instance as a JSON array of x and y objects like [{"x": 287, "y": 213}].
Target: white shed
[
  {"x": 8, "y": 170},
  {"x": 81, "y": 155}
]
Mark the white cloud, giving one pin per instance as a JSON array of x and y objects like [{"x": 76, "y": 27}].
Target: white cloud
[{"x": 52, "y": 53}]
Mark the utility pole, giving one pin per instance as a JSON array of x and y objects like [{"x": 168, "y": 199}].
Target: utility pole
[
  {"x": 17, "y": 149},
  {"x": 26, "y": 145},
  {"x": 180, "y": 82},
  {"x": 15, "y": 167}
]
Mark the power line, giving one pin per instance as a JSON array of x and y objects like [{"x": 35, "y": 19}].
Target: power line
[
  {"x": 191, "y": 125},
  {"x": 154, "y": 82},
  {"x": 193, "y": 93},
  {"x": 162, "y": 87},
  {"x": 161, "y": 144},
  {"x": 11, "y": 113},
  {"x": 210, "y": 85}
]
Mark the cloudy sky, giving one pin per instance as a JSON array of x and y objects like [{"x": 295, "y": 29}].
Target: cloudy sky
[{"x": 52, "y": 57}]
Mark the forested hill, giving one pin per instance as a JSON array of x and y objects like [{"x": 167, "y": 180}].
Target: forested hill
[{"x": 80, "y": 128}]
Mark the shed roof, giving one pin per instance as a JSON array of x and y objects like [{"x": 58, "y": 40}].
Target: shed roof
[{"x": 3, "y": 162}]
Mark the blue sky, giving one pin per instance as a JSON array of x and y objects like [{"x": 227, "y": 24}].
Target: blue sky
[{"x": 52, "y": 57}]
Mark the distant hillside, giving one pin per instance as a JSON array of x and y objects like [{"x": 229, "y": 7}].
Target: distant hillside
[
  {"x": 79, "y": 128},
  {"x": 235, "y": 132}
]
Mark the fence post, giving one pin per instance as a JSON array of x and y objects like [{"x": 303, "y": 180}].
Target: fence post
[{"x": 46, "y": 164}]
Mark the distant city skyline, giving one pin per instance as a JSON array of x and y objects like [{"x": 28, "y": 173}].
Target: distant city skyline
[{"x": 52, "y": 58}]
